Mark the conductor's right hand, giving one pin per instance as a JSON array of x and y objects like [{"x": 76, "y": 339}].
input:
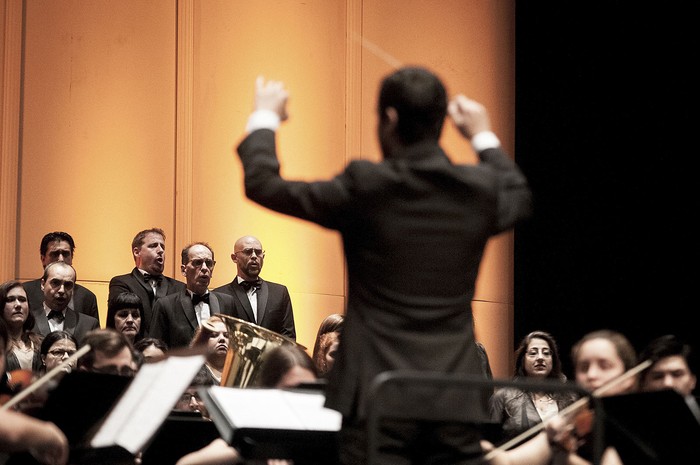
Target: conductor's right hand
[
  {"x": 469, "y": 116},
  {"x": 271, "y": 95}
]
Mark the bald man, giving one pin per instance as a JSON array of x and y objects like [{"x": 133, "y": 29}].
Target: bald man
[{"x": 264, "y": 303}]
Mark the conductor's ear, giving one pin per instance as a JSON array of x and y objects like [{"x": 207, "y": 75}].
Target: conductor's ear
[{"x": 392, "y": 116}]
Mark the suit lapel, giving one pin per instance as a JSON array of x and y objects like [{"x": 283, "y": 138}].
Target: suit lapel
[
  {"x": 214, "y": 305},
  {"x": 242, "y": 297},
  {"x": 262, "y": 295},
  {"x": 139, "y": 279},
  {"x": 188, "y": 309},
  {"x": 71, "y": 321},
  {"x": 41, "y": 322}
]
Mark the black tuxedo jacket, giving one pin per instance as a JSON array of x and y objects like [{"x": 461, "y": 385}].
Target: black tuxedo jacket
[
  {"x": 414, "y": 228},
  {"x": 75, "y": 323},
  {"x": 84, "y": 300},
  {"x": 274, "y": 306},
  {"x": 174, "y": 319},
  {"x": 134, "y": 282}
]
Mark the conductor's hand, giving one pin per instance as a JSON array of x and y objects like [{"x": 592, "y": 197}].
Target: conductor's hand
[
  {"x": 271, "y": 95},
  {"x": 50, "y": 445},
  {"x": 469, "y": 116}
]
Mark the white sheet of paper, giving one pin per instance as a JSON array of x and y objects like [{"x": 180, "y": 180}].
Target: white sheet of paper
[
  {"x": 147, "y": 402},
  {"x": 275, "y": 409}
]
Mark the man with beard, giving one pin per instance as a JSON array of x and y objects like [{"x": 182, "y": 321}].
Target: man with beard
[
  {"x": 146, "y": 280},
  {"x": 177, "y": 316},
  {"x": 264, "y": 303},
  {"x": 58, "y": 284}
]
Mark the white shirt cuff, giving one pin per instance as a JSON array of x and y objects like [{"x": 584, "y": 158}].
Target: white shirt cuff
[
  {"x": 485, "y": 140},
  {"x": 263, "y": 119}
]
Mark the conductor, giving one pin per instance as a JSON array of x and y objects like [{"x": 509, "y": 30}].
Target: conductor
[{"x": 414, "y": 227}]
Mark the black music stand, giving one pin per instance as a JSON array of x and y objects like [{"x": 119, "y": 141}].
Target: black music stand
[
  {"x": 180, "y": 434},
  {"x": 77, "y": 405},
  {"x": 445, "y": 397},
  {"x": 80, "y": 401},
  {"x": 651, "y": 427},
  {"x": 268, "y": 440}
]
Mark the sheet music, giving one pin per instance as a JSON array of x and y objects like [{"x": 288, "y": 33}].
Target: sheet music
[
  {"x": 147, "y": 402},
  {"x": 275, "y": 409}
]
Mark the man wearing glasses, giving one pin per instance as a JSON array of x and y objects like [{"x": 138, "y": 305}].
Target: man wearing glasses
[
  {"x": 264, "y": 303},
  {"x": 177, "y": 316}
]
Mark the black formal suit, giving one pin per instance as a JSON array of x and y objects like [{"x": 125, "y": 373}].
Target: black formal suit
[
  {"x": 84, "y": 300},
  {"x": 75, "y": 323},
  {"x": 274, "y": 306},
  {"x": 414, "y": 228},
  {"x": 174, "y": 318},
  {"x": 134, "y": 282}
]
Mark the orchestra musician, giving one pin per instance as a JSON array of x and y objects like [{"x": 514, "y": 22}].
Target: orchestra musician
[{"x": 22, "y": 433}]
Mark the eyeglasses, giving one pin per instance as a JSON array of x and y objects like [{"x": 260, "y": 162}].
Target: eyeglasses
[
  {"x": 198, "y": 262},
  {"x": 249, "y": 252},
  {"x": 59, "y": 352},
  {"x": 114, "y": 370},
  {"x": 187, "y": 397}
]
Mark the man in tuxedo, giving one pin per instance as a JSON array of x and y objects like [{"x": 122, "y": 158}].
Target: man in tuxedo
[
  {"x": 146, "y": 280},
  {"x": 58, "y": 246},
  {"x": 177, "y": 316},
  {"x": 56, "y": 314},
  {"x": 414, "y": 228},
  {"x": 264, "y": 303}
]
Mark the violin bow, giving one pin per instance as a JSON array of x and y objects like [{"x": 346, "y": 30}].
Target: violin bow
[
  {"x": 44, "y": 379},
  {"x": 571, "y": 408}
]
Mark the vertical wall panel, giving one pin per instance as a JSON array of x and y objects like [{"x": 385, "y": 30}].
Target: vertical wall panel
[{"x": 304, "y": 45}]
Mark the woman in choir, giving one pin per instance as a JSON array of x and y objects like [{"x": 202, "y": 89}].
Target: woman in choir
[
  {"x": 24, "y": 353},
  {"x": 124, "y": 315}
]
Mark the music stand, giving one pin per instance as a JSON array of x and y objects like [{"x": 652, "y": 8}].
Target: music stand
[
  {"x": 446, "y": 397},
  {"x": 651, "y": 427}
]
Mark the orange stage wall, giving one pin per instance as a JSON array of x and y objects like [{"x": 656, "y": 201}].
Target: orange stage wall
[{"x": 120, "y": 116}]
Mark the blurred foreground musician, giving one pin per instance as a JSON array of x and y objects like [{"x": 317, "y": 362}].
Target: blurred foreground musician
[{"x": 21, "y": 433}]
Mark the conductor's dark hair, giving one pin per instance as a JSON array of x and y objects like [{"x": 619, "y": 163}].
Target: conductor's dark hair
[{"x": 420, "y": 99}]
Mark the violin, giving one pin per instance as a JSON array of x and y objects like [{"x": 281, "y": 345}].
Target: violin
[{"x": 15, "y": 382}]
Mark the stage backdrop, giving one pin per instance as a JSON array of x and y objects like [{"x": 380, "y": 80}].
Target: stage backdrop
[{"x": 121, "y": 116}]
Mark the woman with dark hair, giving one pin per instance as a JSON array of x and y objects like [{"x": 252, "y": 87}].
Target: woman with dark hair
[
  {"x": 536, "y": 358},
  {"x": 124, "y": 314},
  {"x": 56, "y": 347},
  {"x": 25, "y": 344},
  {"x": 326, "y": 345}
]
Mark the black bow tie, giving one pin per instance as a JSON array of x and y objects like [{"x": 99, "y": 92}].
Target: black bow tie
[
  {"x": 152, "y": 277},
  {"x": 200, "y": 298},
  {"x": 248, "y": 285},
  {"x": 55, "y": 315}
]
